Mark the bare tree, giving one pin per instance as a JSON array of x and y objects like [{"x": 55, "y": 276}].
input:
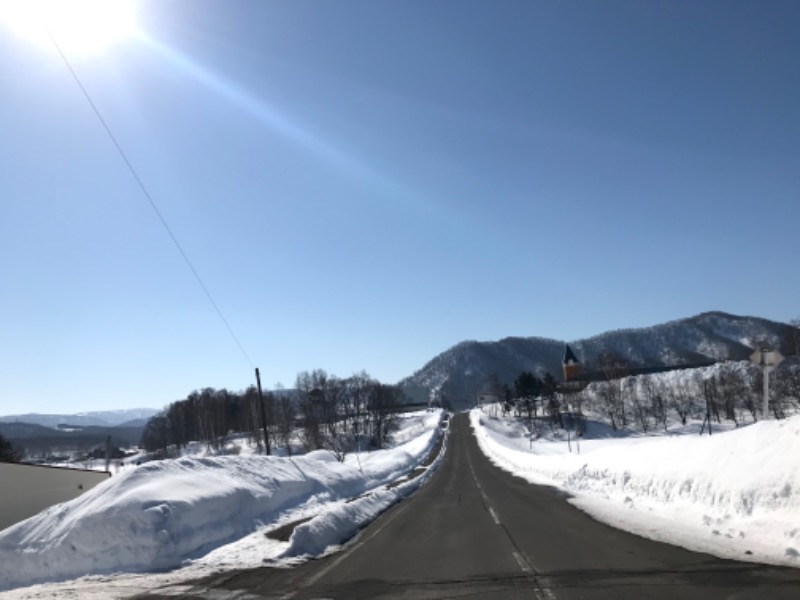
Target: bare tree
[
  {"x": 639, "y": 406},
  {"x": 178, "y": 424},
  {"x": 526, "y": 388},
  {"x": 251, "y": 410},
  {"x": 787, "y": 385},
  {"x": 357, "y": 396},
  {"x": 211, "y": 416},
  {"x": 311, "y": 404},
  {"x": 682, "y": 399},
  {"x": 614, "y": 367},
  {"x": 340, "y": 439},
  {"x": 576, "y": 403},
  {"x": 782, "y": 390},
  {"x": 610, "y": 398},
  {"x": 383, "y": 407},
  {"x": 732, "y": 389},
  {"x": 754, "y": 402},
  {"x": 335, "y": 409},
  {"x": 751, "y": 400},
  {"x": 156, "y": 435},
  {"x": 708, "y": 386},
  {"x": 551, "y": 400},
  {"x": 285, "y": 414},
  {"x": 652, "y": 391}
]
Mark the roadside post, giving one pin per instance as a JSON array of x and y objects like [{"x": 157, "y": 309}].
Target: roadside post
[
  {"x": 267, "y": 449},
  {"x": 766, "y": 359}
]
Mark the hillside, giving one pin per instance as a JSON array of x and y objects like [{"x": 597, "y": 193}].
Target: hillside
[
  {"x": 102, "y": 418},
  {"x": 38, "y": 441},
  {"x": 460, "y": 372}
]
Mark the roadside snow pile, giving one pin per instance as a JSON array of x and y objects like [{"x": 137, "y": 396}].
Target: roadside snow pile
[
  {"x": 161, "y": 514},
  {"x": 324, "y": 533},
  {"x": 734, "y": 494}
]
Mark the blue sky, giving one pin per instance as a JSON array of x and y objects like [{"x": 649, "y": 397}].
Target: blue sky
[{"x": 362, "y": 185}]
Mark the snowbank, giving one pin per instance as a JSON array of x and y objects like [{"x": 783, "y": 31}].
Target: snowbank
[
  {"x": 326, "y": 532},
  {"x": 734, "y": 494},
  {"x": 158, "y": 515}
]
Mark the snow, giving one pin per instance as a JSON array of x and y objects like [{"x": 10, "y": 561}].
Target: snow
[
  {"x": 205, "y": 514},
  {"x": 734, "y": 494}
]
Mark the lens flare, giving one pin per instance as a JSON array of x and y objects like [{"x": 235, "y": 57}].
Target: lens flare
[{"x": 81, "y": 27}]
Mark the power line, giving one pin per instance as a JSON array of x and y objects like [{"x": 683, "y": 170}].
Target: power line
[{"x": 149, "y": 198}]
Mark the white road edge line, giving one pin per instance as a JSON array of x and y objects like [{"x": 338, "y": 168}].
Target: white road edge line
[
  {"x": 335, "y": 563},
  {"x": 523, "y": 564},
  {"x": 324, "y": 571}
]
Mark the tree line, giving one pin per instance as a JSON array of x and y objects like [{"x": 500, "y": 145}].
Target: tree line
[
  {"x": 532, "y": 393},
  {"x": 323, "y": 411},
  {"x": 9, "y": 452},
  {"x": 729, "y": 391}
]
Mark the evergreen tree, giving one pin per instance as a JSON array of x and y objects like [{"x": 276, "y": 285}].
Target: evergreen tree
[
  {"x": 549, "y": 390},
  {"x": 7, "y": 451}
]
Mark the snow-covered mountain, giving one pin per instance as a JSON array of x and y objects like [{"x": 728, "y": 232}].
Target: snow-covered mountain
[
  {"x": 102, "y": 418},
  {"x": 464, "y": 369}
]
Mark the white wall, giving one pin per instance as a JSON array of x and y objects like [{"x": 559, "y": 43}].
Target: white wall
[{"x": 28, "y": 489}]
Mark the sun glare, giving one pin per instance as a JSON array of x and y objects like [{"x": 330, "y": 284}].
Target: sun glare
[{"x": 81, "y": 27}]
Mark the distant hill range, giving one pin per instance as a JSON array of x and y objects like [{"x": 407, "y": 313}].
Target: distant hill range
[
  {"x": 467, "y": 368},
  {"x": 470, "y": 367},
  {"x": 38, "y": 441},
  {"x": 129, "y": 417},
  {"x": 41, "y": 436}
]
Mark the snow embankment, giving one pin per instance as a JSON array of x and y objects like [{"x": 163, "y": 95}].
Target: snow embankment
[
  {"x": 162, "y": 514},
  {"x": 343, "y": 520},
  {"x": 734, "y": 494}
]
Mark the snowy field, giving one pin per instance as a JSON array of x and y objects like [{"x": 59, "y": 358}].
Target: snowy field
[
  {"x": 165, "y": 522},
  {"x": 734, "y": 494}
]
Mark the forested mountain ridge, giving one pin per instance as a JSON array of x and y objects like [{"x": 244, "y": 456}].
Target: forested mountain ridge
[
  {"x": 470, "y": 366},
  {"x": 464, "y": 369}
]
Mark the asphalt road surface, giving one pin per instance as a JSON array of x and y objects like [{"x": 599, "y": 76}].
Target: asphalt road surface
[{"x": 475, "y": 531}]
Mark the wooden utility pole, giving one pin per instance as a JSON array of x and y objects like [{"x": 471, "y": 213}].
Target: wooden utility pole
[
  {"x": 108, "y": 452},
  {"x": 267, "y": 449}
]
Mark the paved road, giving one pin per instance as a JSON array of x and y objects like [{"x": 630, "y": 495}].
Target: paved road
[{"x": 474, "y": 531}]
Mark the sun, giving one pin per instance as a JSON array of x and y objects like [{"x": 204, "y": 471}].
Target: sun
[{"x": 80, "y": 27}]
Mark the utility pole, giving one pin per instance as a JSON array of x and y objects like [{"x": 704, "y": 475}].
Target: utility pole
[
  {"x": 267, "y": 449},
  {"x": 108, "y": 452}
]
